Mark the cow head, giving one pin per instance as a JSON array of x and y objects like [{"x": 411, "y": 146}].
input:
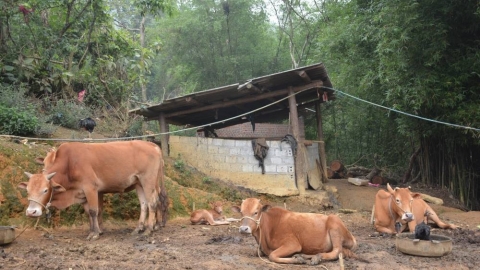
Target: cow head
[
  {"x": 217, "y": 207},
  {"x": 40, "y": 189},
  {"x": 251, "y": 210},
  {"x": 49, "y": 158},
  {"x": 403, "y": 201}
]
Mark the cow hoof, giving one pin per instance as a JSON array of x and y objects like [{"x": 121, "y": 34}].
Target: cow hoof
[
  {"x": 93, "y": 236},
  {"x": 147, "y": 232},
  {"x": 299, "y": 258},
  {"x": 136, "y": 231},
  {"x": 316, "y": 260}
]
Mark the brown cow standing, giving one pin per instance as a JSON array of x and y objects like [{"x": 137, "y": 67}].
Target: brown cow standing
[
  {"x": 212, "y": 216},
  {"x": 282, "y": 234},
  {"x": 83, "y": 172},
  {"x": 401, "y": 205}
]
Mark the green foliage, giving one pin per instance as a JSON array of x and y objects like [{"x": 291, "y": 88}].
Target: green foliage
[
  {"x": 124, "y": 205},
  {"x": 16, "y": 122},
  {"x": 206, "y": 180},
  {"x": 135, "y": 128},
  {"x": 179, "y": 164},
  {"x": 203, "y": 47},
  {"x": 11, "y": 205},
  {"x": 68, "y": 114},
  {"x": 419, "y": 57}
]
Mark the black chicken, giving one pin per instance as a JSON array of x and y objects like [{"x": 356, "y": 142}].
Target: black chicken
[
  {"x": 88, "y": 124},
  {"x": 422, "y": 230}
]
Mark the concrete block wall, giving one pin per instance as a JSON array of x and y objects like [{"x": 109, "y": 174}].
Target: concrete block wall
[{"x": 233, "y": 161}]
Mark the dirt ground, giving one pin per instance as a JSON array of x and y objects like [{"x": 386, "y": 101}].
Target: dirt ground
[{"x": 183, "y": 246}]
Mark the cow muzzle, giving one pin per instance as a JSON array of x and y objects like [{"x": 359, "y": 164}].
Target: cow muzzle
[
  {"x": 407, "y": 217},
  {"x": 33, "y": 211},
  {"x": 245, "y": 229}
]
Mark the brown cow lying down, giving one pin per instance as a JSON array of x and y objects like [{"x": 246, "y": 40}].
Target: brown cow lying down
[
  {"x": 282, "y": 234},
  {"x": 401, "y": 205},
  {"x": 212, "y": 216},
  {"x": 83, "y": 172}
]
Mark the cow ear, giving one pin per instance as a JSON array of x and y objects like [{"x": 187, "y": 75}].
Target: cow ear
[
  {"x": 23, "y": 185},
  {"x": 265, "y": 208},
  {"x": 416, "y": 195},
  {"x": 57, "y": 188},
  {"x": 39, "y": 160},
  {"x": 29, "y": 175},
  {"x": 236, "y": 209}
]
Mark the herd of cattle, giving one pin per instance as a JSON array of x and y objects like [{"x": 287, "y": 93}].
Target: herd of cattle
[{"x": 80, "y": 173}]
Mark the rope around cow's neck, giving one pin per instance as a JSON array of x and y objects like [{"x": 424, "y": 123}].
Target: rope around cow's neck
[{"x": 257, "y": 221}]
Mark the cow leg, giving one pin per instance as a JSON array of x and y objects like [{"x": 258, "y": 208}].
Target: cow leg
[
  {"x": 280, "y": 254},
  {"x": 336, "y": 240},
  {"x": 92, "y": 207},
  {"x": 87, "y": 211},
  {"x": 100, "y": 212},
  {"x": 143, "y": 210},
  {"x": 100, "y": 209},
  {"x": 209, "y": 219},
  {"x": 152, "y": 211},
  {"x": 388, "y": 230},
  {"x": 433, "y": 217}
]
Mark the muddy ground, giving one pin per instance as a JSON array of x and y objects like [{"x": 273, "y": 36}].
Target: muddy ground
[{"x": 183, "y": 246}]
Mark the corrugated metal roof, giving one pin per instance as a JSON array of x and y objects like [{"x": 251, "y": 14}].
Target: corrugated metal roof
[{"x": 224, "y": 102}]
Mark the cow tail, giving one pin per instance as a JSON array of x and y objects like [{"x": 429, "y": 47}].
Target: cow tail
[{"x": 163, "y": 196}]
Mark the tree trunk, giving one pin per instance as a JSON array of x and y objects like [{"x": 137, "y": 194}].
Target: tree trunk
[
  {"x": 375, "y": 171},
  {"x": 377, "y": 179},
  {"x": 408, "y": 173},
  {"x": 336, "y": 166}
]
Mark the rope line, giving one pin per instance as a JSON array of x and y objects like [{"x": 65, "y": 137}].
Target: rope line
[
  {"x": 404, "y": 113},
  {"x": 239, "y": 116}
]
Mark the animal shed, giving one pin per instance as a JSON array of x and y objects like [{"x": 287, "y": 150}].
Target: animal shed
[{"x": 259, "y": 101}]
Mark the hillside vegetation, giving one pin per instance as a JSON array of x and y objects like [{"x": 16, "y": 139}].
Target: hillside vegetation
[{"x": 186, "y": 187}]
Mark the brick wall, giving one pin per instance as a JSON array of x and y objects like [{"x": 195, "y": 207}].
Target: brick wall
[{"x": 262, "y": 130}]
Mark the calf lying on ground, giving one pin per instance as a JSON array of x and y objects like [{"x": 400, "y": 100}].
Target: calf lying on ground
[
  {"x": 282, "y": 234},
  {"x": 398, "y": 204},
  {"x": 212, "y": 216}
]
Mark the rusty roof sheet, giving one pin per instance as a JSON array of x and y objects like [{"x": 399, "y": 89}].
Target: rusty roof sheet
[{"x": 228, "y": 101}]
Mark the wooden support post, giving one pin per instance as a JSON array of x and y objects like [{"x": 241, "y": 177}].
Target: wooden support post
[
  {"x": 300, "y": 172},
  {"x": 163, "y": 138},
  {"x": 321, "y": 145}
]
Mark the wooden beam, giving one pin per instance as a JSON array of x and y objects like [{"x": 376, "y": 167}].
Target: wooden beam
[
  {"x": 163, "y": 138},
  {"x": 321, "y": 145},
  {"x": 193, "y": 101},
  {"x": 277, "y": 93},
  {"x": 250, "y": 87},
  {"x": 300, "y": 171},
  {"x": 304, "y": 76}
]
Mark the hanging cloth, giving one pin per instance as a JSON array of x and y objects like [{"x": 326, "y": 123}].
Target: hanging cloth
[{"x": 260, "y": 150}]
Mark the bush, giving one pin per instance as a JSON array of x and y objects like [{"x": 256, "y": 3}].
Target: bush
[
  {"x": 68, "y": 114},
  {"x": 14, "y": 96},
  {"x": 19, "y": 113},
  {"x": 16, "y": 122}
]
